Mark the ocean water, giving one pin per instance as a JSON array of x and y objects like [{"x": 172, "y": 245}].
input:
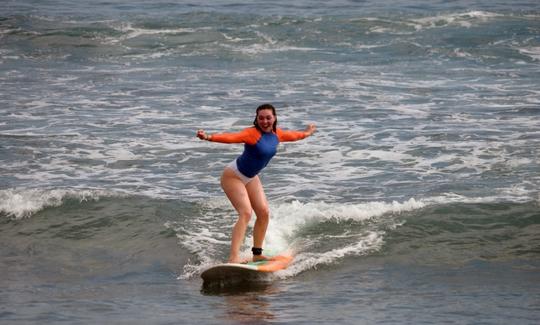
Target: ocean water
[{"x": 416, "y": 201}]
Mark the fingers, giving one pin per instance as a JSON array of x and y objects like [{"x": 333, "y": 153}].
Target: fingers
[
  {"x": 200, "y": 134},
  {"x": 311, "y": 129}
]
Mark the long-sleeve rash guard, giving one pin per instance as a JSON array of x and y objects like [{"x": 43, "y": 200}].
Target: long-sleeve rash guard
[{"x": 259, "y": 147}]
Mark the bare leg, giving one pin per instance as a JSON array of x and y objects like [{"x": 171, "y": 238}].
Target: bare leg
[
  {"x": 260, "y": 205},
  {"x": 238, "y": 195}
]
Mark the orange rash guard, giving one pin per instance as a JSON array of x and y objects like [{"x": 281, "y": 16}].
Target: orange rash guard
[{"x": 259, "y": 147}]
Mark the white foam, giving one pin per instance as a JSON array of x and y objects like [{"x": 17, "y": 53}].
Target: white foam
[
  {"x": 514, "y": 194},
  {"x": 23, "y": 203},
  {"x": 255, "y": 49},
  {"x": 133, "y": 32},
  {"x": 206, "y": 237},
  {"x": 387, "y": 155},
  {"x": 120, "y": 154},
  {"x": 465, "y": 19},
  {"x": 370, "y": 242},
  {"x": 289, "y": 217},
  {"x": 533, "y": 52}
]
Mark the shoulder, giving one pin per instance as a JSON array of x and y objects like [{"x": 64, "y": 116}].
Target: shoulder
[
  {"x": 280, "y": 132},
  {"x": 251, "y": 134},
  {"x": 251, "y": 130}
]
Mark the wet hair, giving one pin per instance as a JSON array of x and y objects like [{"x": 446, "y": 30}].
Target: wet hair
[{"x": 263, "y": 107}]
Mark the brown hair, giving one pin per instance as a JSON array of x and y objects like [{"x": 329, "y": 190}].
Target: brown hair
[{"x": 263, "y": 107}]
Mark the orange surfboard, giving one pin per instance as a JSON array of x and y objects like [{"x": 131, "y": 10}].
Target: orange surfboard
[{"x": 237, "y": 272}]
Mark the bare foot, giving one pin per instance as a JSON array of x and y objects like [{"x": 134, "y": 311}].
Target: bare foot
[
  {"x": 257, "y": 258},
  {"x": 234, "y": 260}
]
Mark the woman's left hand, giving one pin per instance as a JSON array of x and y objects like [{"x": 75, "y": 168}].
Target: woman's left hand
[{"x": 310, "y": 129}]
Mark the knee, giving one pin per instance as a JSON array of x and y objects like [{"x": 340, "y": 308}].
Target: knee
[
  {"x": 263, "y": 213},
  {"x": 244, "y": 216}
]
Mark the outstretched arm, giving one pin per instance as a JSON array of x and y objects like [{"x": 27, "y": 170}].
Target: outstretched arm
[
  {"x": 249, "y": 135},
  {"x": 285, "y": 136}
]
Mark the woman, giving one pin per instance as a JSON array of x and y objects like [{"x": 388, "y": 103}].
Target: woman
[{"x": 240, "y": 180}]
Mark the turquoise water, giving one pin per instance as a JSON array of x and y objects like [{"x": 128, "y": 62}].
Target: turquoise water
[{"x": 416, "y": 201}]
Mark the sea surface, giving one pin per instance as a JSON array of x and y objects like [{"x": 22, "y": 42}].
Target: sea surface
[{"x": 416, "y": 201}]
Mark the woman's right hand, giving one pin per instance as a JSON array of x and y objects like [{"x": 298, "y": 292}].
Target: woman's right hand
[{"x": 201, "y": 135}]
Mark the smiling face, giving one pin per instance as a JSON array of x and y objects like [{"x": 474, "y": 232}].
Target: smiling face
[{"x": 266, "y": 119}]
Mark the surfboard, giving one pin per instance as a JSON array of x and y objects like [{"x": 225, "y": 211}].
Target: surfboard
[{"x": 240, "y": 272}]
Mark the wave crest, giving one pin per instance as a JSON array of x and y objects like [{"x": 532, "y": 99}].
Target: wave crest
[{"x": 23, "y": 203}]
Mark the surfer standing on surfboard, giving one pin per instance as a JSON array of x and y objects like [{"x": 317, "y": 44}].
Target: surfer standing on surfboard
[{"x": 240, "y": 180}]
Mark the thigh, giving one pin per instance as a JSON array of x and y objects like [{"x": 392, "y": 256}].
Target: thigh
[
  {"x": 236, "y": 191},
  {"x": 257, "y": 196}
]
